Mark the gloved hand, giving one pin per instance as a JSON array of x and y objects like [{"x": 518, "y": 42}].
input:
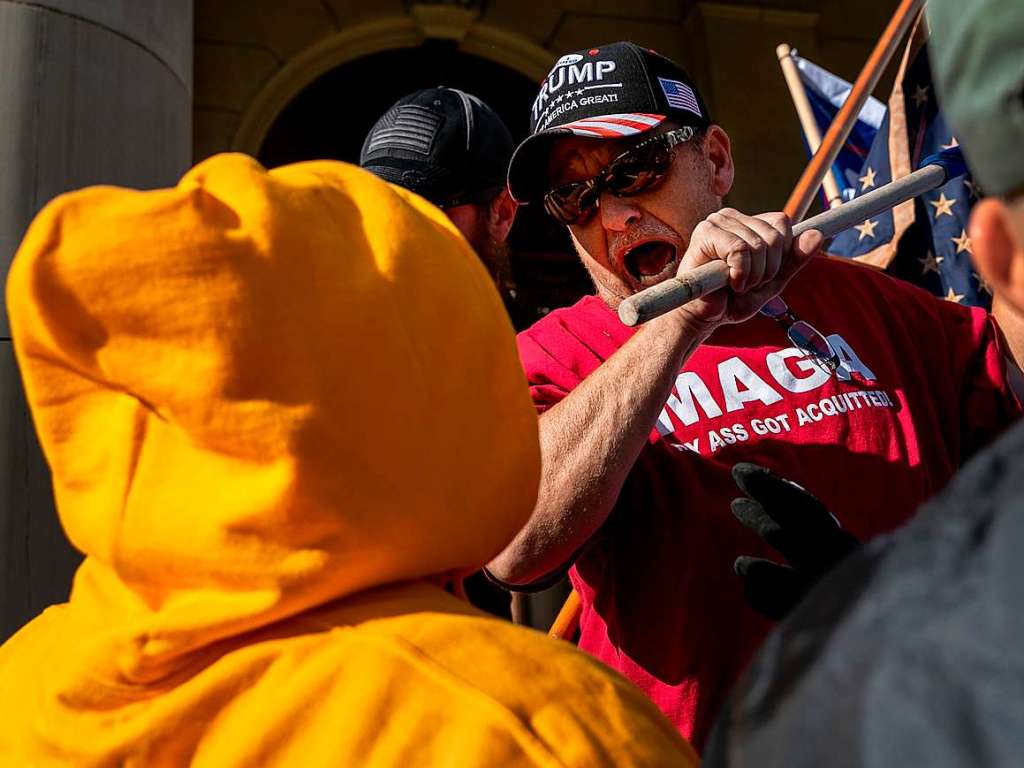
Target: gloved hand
[{"x": 794, "y": 523}]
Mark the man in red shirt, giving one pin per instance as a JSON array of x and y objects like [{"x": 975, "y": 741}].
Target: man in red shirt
[{"x": 864, "y": 388}]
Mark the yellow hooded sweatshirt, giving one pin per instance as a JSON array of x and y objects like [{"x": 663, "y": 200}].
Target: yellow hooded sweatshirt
[{"x": 279, "y": 407}]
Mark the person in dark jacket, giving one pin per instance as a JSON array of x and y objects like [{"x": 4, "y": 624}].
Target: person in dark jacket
[{"x": 911, "y": 652}]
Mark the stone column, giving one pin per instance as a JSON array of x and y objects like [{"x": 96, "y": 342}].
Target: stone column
[{"x": 90, "y": 93}]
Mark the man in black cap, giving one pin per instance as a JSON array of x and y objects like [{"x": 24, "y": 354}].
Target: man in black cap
[
  {"x": 857, "y": 385},
  {"x": 451, "y": 148}
]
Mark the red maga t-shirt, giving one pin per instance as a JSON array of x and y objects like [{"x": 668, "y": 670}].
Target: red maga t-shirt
[{"x": 922, "y": 386}]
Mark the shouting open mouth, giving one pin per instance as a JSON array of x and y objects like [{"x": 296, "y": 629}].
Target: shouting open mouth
[{"x": 649, "y": 262}]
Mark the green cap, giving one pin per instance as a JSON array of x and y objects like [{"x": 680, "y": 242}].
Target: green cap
[{"x": 976, "y": 56}]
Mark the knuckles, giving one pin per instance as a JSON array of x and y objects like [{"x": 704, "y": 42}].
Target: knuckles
[
  {"x": 777, "y": 219},
  {"x": 704, "y": 228},
  {"x": 714, "y": 229},
  {"x": 739, "y": 246}
]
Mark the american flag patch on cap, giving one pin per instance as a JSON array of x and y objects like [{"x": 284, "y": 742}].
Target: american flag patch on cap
[
  {"x": 680, "y": 95},
  {"x": 409, "y": 127},
  {"x": 612, "y": 126}
]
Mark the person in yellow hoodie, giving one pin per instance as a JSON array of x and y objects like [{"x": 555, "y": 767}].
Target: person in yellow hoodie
[{"x": 282, "y": 409}]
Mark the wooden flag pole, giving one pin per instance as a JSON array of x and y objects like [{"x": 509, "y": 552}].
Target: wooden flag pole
[
  {"x": 802, "y": 195},
  {"x": 568, "y": 618},
  {"x": 807, "y": 120}
]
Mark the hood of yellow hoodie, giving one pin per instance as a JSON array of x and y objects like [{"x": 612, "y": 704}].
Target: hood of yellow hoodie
[{"x": 259, "y": 392}]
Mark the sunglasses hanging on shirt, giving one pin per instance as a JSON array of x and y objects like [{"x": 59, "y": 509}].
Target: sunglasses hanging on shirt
[{"x": 802, "y": 334}]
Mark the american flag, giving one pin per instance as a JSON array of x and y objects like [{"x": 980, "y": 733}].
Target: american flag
[
  {"x": 924, "y": 240},
  {"x": 680, "y": 95},
  {"x": 826, "y": 93}
]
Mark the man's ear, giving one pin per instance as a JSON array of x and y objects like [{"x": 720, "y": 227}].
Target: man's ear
[
  {"x": 502, "y": 215},
  {"x": 718, "y": 151},
  {"x": 997, "y": 253}
]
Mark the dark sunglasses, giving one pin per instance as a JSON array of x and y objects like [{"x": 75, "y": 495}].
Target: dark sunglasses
[
  {"x": 635, "y": 170},
  {"x": 802, "y": 334}
]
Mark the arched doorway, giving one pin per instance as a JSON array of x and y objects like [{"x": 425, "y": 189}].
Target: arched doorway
[{"x": 331, "y": 116}]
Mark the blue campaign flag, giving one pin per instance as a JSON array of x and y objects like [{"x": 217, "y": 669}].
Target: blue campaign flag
[
  {"x": 924, "y": 240},
  {"x": 826, "y": 92}
]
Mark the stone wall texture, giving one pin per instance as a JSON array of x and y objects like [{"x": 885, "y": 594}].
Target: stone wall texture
[{"x": 90, "y": 93}]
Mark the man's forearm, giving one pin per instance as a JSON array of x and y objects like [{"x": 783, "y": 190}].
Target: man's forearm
[{"x": 590, "y": 441}]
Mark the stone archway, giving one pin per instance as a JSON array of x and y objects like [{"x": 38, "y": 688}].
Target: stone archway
[
  {"x": 330, "y": 117},
  {"x": 500, "y": 46}
]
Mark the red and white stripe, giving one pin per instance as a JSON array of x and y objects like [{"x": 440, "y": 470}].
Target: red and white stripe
[{"x": 614, "y": 126}]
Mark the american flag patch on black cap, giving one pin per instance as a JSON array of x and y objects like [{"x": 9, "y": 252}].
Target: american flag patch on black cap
[
  {"x": 679, "y": 95},
  {"x": 443, "y": 144},
  {"x": 408, "y": 126}
]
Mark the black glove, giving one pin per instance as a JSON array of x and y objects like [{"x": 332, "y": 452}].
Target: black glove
[{"x": 796, "y": 524}]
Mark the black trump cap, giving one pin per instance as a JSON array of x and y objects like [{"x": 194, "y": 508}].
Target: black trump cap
[
  {"x": 606, "y": 92},
  {"x": 443, "y": 144}
]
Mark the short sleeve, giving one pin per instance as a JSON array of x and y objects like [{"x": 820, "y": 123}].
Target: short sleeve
[
  {"x": 549, "y": 379},
  {"x": 564, "y": 347}
]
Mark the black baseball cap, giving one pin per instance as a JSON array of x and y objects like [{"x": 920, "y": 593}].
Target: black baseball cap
[
  {"x": 605, "y": 92},
  {"x": 443, "y": 144}
]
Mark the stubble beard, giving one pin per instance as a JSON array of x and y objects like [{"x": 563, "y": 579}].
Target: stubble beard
[{"x": 494, "y": 254}]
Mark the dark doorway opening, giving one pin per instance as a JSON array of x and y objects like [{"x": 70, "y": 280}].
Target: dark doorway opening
[{"x": 331, "y": 117}]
